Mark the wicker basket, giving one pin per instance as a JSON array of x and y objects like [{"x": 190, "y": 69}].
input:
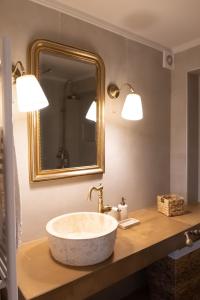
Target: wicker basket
[{"x": 170, "y": 205}]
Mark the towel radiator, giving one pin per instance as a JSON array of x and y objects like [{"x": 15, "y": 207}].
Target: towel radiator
[{"x": 8, "y": 240}]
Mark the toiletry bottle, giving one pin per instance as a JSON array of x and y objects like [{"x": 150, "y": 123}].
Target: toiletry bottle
[
  {"x": 115, "y": 212},
  {"x": 123, "y": 209}
]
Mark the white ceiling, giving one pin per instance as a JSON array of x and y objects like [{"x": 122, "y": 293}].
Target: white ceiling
[{"x": 172, "y": 24}]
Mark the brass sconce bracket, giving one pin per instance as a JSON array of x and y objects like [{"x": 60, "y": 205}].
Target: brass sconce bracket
[{"x": 113, "y": 91}]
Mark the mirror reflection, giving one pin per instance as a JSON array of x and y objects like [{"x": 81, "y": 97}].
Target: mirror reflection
[{"x": 68, "y": 137}]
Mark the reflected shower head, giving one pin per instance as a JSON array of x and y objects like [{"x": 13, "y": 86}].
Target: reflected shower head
[{"x": 68, "y": 91}]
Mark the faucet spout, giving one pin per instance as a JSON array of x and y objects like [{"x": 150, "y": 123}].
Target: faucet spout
[
  {"x": 101, "y": 207},
  {"x": 99, "y": 189}
]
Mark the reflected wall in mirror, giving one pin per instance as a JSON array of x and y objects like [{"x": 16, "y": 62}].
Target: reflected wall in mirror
[{"x": 63, "y": 140}]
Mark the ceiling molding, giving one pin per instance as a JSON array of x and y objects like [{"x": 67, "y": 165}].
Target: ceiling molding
[
  {"x": 63, "y": 8},
  {"x": 186, "y": 46}
]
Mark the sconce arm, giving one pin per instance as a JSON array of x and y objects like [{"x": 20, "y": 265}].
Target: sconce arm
[
  {"x": 129, "y": 86},
  {"x": 18, "y": 70},
  {"x": 114, "y": 92}
]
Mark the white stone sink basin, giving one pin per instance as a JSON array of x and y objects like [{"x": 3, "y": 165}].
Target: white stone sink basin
[{"x": 82, "y": 238}]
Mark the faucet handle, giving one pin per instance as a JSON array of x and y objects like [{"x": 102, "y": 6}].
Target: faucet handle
[{"x": 107, "y": 208}]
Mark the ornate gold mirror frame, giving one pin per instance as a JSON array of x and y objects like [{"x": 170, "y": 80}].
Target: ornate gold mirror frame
[{"x": 34, "y": 126}]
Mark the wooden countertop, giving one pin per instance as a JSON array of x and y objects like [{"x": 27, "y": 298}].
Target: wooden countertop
[{"x": 40, "y": 277}]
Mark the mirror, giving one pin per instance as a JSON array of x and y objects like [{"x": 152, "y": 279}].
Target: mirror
[{"x": 66, "y": 139}]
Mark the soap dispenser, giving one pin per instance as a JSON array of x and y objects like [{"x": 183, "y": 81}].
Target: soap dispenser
[{"x": 123, "y": 207}]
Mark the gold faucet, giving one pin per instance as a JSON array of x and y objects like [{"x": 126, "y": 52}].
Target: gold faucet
[{"x": 101, "y": 207}]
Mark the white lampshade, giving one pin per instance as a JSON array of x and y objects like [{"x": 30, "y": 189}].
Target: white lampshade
[
  {"x": 132, "y": 109},
  {"x": 92, "y": 112},
  {"x": 30, "y": 96}
]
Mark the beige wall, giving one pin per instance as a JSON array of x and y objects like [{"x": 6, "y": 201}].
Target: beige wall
[
  {"x": 185, "y": 62},
  {"x": 137, "y": 153}
]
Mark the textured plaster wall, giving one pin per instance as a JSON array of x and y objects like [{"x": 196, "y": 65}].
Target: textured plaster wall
[{"x": 137, "y": 153}]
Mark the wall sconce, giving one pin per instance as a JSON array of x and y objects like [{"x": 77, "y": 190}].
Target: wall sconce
[
  {"x": 92, "y": 112},
  {"x": 132, "y": 109},
  {"x": 30, "y": 96}
]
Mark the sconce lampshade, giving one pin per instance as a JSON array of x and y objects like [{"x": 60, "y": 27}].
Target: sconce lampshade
[
  {"x": 92, "y": 111},
  {"x": 132, "y": 109},
  {"x": 30, "y": 95}
]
